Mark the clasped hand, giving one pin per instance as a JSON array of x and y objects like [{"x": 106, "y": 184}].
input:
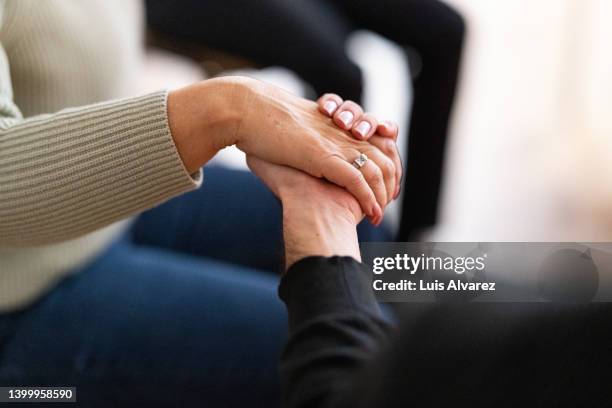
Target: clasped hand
[
  {"x": 320, "y": 218},
  {"x": 277, "y": 127}
]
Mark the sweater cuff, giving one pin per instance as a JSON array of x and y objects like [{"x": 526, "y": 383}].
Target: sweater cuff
[
  {"x": 317, "y": 286},
  {"x": 97, "y": 164}
]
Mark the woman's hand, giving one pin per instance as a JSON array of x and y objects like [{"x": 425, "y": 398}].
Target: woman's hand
[
  {"x": 319, "y": 218},
  {"x": 271, "y": 124},
  {"x": 350, "y": 116}
]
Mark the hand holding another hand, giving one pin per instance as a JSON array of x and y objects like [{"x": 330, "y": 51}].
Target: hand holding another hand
[
  {"x": 270, "y": 124},
  {"x": 319, "y": 218}
]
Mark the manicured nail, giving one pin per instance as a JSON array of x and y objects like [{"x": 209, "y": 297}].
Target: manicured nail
[
  {"x": 377, "y": 220},
  {"x": 373, "y": 220},
  {"x": 363, "y": 128},
  {"x": 377, "y": 211},
  {"x": 346, "y": 117},
  {"x": 389, "y": 125},
  {"x": 330, "y": 107}
]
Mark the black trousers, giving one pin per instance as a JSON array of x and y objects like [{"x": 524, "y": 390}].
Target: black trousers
[{"x": 308, "y": 37}]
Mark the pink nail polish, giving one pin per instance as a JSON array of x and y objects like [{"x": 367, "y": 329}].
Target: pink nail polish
[
  {"x": 330, "y": 107},
  {"x": 389, "y": 125},
  {"x": 378, "y": 211},
  {"x": 373, "y": 220},
  {"x": 363, "y": 128},
  {"x": 346, "y": 117}
]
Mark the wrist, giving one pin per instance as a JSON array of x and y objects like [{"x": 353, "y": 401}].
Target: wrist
[
  {"x": 312, "y": 229},
  {"x": 203, "y": 119}
]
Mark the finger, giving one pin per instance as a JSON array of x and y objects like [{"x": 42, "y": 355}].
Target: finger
[
  {"x": 329, "y": 103},
  {"x": 365, "y": 127},
  {"x": 387, "y": 168},
  {"x": 340, "y": 172},
  {"x": 374, "y": 177},
  {"x": 388, "y": 129},
  {"x": 347, "y": 114},
  {"x": 389, "y": 147}
]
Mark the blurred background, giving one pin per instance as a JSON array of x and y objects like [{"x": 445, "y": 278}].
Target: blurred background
[{"x": 529, "y": 149}]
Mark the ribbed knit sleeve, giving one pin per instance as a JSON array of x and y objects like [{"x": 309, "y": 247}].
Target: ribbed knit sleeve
[{"x": 66, "y": 174}]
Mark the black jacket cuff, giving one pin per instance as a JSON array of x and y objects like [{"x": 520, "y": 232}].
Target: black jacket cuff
[{"x": 317, "y": 285}]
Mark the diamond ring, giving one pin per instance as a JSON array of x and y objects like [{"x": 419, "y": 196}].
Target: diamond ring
[{"x": 360, "y": 161}]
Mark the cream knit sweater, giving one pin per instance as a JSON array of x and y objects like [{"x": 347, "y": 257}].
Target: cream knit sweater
[{"x": 67, "y": 179}]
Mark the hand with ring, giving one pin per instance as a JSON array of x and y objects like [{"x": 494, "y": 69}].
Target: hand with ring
[
  {"x": 350, "y": 117},
  {"x": 319, "y": 218},
  {"x": 275, "y": 126}
]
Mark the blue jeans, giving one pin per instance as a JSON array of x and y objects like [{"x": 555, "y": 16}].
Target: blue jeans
[{"x": 181, "y": 311}]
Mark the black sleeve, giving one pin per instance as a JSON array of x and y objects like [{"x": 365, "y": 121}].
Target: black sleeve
[
  {"x": 342, "y": 354},
  {"x": 335, "y": 327}
]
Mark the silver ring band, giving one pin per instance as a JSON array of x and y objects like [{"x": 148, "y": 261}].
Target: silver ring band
[{"x": 360, "y": 161}]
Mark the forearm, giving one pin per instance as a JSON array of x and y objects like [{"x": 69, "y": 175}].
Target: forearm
[{"x": 334, "y": 320}]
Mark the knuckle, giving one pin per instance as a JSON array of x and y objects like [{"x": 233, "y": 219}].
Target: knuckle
[
  {"x": 376, "y": 176},
  {"x": 389, "y": 146},
  {"x": 353, "y": 105},
  {"x": 370, "y": 118},
  {"x": 324, "y": 165},
  {"x": 319, "y": 167},
  {"x": 356, "y": 180},
  {"x": 388, "y": 168},
  {"x": 350, "y": 152}
]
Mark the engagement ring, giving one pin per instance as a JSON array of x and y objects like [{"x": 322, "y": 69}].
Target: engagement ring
[{"x": 360, "y": 161}]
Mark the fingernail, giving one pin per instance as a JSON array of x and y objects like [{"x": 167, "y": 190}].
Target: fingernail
[
  {"x": 373, "y": 220},
  {"x": 377, "y": 211},
  {"x": 397, "y": 192},
  {"x": 346, "y": 117},
  {"x": 363, "y": 128},
  {"x": 330, "y": 107}
]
